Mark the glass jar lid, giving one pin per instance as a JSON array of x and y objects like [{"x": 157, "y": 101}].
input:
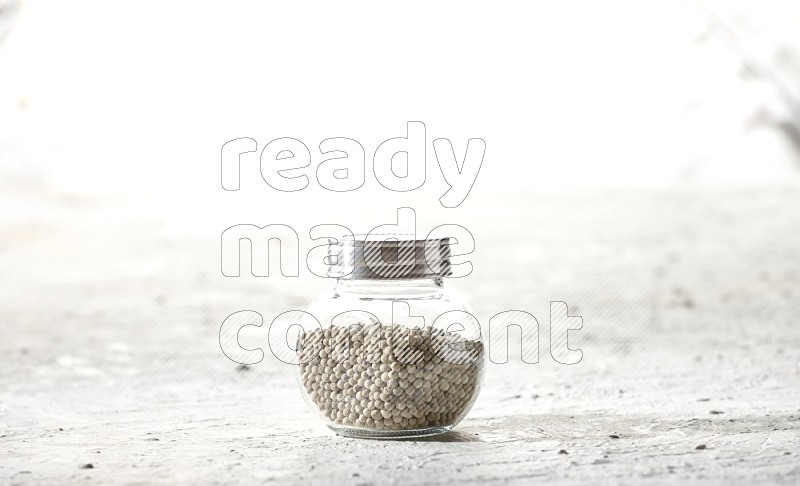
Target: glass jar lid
[{"x": 389, "y": 256}]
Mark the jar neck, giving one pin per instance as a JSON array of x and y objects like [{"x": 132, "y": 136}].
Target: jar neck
[{"x": 391, "y": 288}]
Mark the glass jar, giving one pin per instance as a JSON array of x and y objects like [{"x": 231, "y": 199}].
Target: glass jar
[{"x": 394, "y": 353}]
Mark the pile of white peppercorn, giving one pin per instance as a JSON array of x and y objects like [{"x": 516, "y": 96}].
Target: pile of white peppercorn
[{"x": 390, "y": 377}]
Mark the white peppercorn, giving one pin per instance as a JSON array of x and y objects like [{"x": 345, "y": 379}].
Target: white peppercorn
[{"x": 390, "y": 394}]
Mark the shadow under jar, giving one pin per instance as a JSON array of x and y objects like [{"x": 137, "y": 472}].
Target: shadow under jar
[{"x": 396, "y": 354}]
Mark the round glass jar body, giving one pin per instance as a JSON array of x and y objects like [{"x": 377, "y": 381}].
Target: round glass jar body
[{"x": 391, "y": 358}]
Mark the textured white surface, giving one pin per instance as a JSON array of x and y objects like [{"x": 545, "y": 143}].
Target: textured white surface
[{"x": 690, "y": 300}]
